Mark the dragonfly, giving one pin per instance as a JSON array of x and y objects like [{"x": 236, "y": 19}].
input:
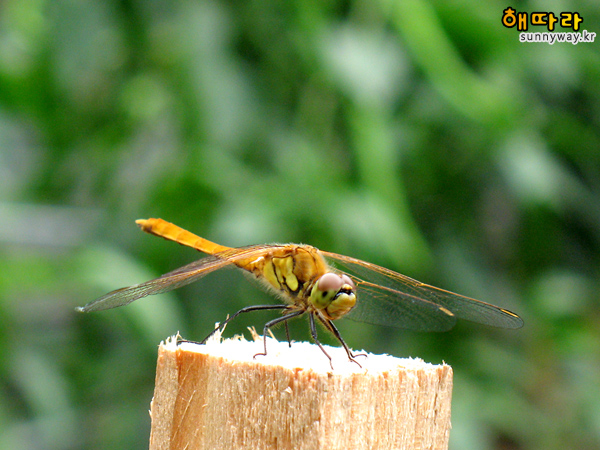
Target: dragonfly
[{"x": 323, "y": 285}]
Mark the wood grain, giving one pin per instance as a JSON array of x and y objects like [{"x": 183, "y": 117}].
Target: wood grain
[{"x": 217, "y": 396}]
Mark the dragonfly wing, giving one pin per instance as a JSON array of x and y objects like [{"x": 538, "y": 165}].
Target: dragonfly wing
[
  {"x": 389, "y": 298},
  {"x": 473, "y": 310},
  {"x": 381, "y": 306},
  {"x": 173, "y": 280},
  {"x": 167, "y": 282}
]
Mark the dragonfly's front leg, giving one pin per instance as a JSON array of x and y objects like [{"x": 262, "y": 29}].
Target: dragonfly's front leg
[
  {"x": 313, "y": 332},
  {"x": 331, "y": 327}
]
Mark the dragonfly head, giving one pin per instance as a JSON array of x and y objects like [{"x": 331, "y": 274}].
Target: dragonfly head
[{"x": 333, "y": 295}]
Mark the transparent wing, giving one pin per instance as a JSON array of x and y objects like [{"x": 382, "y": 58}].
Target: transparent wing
[
  {"x": 175, "y": 279},
  {"x": 388, "y": 298}
]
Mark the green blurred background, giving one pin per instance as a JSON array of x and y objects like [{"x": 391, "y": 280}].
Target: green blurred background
[{"x": 418, "y": 135}]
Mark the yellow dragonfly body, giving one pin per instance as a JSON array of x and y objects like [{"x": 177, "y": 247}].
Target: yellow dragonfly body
[{"x": 301, "y": 275}]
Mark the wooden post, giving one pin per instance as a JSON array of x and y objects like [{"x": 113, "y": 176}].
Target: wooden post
[{"x": 217, "y": 396}]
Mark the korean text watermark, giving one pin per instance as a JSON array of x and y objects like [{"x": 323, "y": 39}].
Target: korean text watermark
[{"x": 525, "y": 23}]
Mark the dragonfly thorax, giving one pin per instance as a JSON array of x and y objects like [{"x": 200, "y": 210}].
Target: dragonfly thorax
[
  {"x": 333, "y": 295},
  {"x": 291, "y": 271}
]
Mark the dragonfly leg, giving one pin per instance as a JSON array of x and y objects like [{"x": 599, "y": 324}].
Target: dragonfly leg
[
  {"x": 331, "y": 327},
  {"x": 287, "y": 333},
  {"x": 313, "y": 332},
  {"x": 274, "y": 322},
  {"x": 241, "y": 311}
]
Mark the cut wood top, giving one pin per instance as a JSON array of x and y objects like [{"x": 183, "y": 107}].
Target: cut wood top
[{"x": 219, "y": 396}]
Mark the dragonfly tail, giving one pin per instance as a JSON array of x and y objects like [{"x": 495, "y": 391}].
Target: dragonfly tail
[{"x": 171, "y": 232}]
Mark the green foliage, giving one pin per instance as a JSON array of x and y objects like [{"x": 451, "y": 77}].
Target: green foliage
[{"x": 417, "y": 135}]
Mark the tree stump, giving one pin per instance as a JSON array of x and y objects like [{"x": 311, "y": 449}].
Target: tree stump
[{"x": 218, "y": 396}]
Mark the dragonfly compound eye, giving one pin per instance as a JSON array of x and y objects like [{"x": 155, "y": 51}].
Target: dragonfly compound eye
[
  {"x": 347, "y": 280},
  {"x": 334, "y": 295}
]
